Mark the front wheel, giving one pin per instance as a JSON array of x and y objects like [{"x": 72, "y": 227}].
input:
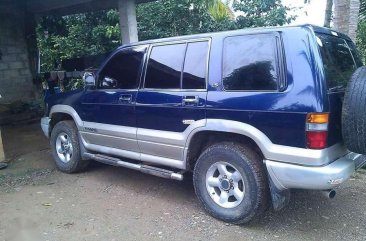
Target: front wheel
[
  {"x": 66, "y": 148},
  {"x": 231, "y": 183}
]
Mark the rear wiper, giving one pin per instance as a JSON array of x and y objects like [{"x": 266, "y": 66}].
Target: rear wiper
[{"x": 336, "y": 88}]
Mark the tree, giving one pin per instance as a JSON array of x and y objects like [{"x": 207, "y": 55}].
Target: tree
[
  {"x": 361, "y": 39},
  {"x": 76, "y": 36},
  {"x": 361, "y": 30},
  {"x": 259, "y": 13},
  {"x": 164, "y": 18},
  {"x": 362, "y": 14},
  {"x": 346, "y": 16},
  {"x": 328, "y": 13},
  {"x": 99, "y": 32}
]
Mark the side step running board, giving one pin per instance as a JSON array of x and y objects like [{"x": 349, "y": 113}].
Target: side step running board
[{"x": 139, "y": 167}]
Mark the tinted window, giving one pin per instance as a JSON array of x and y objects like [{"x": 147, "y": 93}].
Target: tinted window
[
  {"x": 337, "y": 59},
  {"x": 122, "y": 70},
  {"x": 194, "y": 73},
  {"x": 249, "y": 63},
  {"x": 165, "y": 67},
  {"x": 356, "y": 55}
]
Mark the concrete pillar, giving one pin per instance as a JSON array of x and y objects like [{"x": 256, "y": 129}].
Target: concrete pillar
[
  {"x": 2, "y": 153},
  {"x": 127, "y": 20}
]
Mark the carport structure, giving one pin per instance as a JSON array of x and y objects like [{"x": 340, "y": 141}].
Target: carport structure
[{"x": 18, "y": 46}]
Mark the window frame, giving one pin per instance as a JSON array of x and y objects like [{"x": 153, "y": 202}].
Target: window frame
[
  {"x": 186, "y": 42},
  {"x": 139, "y": 73},
  {"x": 280, "y": 62}
]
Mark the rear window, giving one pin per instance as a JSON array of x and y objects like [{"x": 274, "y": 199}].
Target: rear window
[{"x": 340, "y": 59}]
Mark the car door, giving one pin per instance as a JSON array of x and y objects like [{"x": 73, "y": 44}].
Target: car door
[
  {"x": 172, "y": 99},
  {"x": 108, "y": 111}
]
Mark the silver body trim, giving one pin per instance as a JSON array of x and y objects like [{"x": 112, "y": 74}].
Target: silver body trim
[
  {"x": 110, "y": 141},
  {"x": 134, "y": 155},
  {"x": 286, "y": 176},
  {"x": 67, "y": 110},
  {"x": 110, "y": 150},
  {"x": 113, "y": 130},
  {"x": 163, "y": 150},
  {"x": 166, "y": 144},
  {"x": 114, "y": 136},
  {"x": 174, "y": 145},
  {"x": 272, "y": 151}
]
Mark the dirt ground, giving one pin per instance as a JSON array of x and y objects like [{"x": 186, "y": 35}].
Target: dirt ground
[{"x": 37, "y": 202}]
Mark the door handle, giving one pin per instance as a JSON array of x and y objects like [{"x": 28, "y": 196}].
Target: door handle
[
  {"x": 125, "y": 99},
  {"x": 190, "y": 100}
]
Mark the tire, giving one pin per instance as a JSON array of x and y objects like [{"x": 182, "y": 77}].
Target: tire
[
  {"x": 254, "y": 184},
  {"x": 354, "y": 113},
  {"x": 70, "y": 145}
]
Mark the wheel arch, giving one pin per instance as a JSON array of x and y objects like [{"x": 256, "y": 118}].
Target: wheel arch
[
  {"x": 203, "y": 139},
  {"x": 63, "y": 112},
  {"x": 217, "y": 130}
]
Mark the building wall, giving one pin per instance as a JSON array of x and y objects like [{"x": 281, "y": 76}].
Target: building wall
[{"x": 15, "y": 70}]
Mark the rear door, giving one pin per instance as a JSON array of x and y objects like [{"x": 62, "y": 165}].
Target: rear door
[
  {"x": 172, "y": 98},
  {"x": 108, "y": 111},
  {"x": 340, "y": 60}
]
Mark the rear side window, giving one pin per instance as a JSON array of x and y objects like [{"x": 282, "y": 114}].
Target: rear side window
[
  {"x": 195, "y": 65},
  {"x": 249, "y": 63},
  {"x": 123, "y": 70},
  {"x": 339, "y": 58},
  {"x": 165, "y": 67}
]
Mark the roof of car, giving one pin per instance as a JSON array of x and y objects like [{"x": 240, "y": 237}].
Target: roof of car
[{"x": 243, "y": 31}]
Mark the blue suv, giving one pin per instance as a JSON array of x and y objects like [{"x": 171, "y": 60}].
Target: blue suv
[{"x": 252, "y": 113}]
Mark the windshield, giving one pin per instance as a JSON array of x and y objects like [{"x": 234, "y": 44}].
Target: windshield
[{"x": 340, "y": 59}]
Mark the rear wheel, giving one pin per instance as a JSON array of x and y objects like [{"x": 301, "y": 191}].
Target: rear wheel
[
  {"x": 231, "y": 183},
  {"x": 66, "y": 148},
  {"x": 354, "y": 115}
]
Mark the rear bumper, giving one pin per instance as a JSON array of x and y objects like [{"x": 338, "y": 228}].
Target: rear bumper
[
  {"x": 286, "y": 175},
  {"x": 45, "y": 122}
]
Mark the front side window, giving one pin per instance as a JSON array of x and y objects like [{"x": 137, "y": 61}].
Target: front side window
[
  {"x": 249, "y": 63},
  {"x": 165, "y": 66},
  {"x": 123, "y": 70}
]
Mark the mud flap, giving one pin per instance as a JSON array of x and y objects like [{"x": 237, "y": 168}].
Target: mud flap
[{"x": 280, "y": 198}]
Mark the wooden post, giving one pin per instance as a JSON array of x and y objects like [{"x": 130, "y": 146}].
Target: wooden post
[{"x": 2, "y": 153}]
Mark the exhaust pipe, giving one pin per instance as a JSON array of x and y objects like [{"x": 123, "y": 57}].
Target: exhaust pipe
[{"x": 329, "y": 193}]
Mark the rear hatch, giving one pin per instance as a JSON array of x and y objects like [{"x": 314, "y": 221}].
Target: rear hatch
[{"x": 340, "y": 60}]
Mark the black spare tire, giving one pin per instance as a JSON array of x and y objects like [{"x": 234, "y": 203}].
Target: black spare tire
[{"x": 354, "y": 113}]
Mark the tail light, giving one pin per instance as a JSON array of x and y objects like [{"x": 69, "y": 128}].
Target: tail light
[{"x": 317, "y": 130}]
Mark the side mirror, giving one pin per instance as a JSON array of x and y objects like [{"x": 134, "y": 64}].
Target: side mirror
[{"x": 89, "y": 79}]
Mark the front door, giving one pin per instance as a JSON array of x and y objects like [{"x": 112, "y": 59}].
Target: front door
[
  {"x": 108, "y": 111},
  {"x": 172, "y": 99}
]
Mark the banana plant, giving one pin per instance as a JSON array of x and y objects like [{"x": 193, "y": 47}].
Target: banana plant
[{"x": 219, "y": 10}]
